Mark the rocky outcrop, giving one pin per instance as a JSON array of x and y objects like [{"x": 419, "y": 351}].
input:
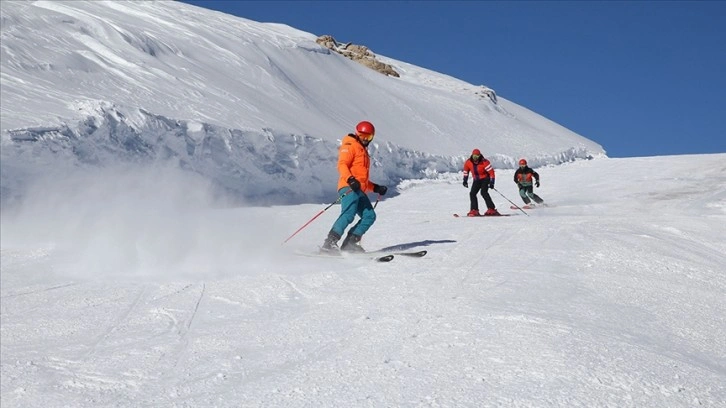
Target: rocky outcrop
[
  {"x": 486, "y": 92},
  {"x": 358, "y": 53}
]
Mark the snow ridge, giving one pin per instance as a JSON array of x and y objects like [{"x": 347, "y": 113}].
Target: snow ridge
[{"x": 259, "y": 167}]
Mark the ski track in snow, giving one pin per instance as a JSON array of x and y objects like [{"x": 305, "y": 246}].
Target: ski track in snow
[{"x": 602, "y": 303}]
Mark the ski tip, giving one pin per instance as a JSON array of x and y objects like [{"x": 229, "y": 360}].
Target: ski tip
[
  {"x": 386, "y": 258},
  {"x": 417, "y": 254}
]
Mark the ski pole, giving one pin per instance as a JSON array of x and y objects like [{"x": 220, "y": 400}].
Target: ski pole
[
  {"x": 511, "y": 202},
  {"x": 377, "y": 200},
  {"x": 316, "y": 216}
]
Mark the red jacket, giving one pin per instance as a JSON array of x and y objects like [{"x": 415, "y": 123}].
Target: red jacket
[
  {"x": 480, "y": 170},
  {"x": 524, "y": 176},
  {"x": 353, "y": 160}
]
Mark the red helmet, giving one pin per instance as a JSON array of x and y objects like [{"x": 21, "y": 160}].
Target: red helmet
[
  {"x": 522, "y": 162},
  {"x": 365, "y": 127},
  {"x": 365, "y": 132},
  {"x": 475, "y": 152}
]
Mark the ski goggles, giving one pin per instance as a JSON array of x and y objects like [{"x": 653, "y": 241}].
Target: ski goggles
[
  {"x": 365, "y": 137},
  {"x": 475, "y": 156}
]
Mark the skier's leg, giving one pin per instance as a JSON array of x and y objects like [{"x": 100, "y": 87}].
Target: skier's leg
[
  {"x": 473, "y": 201},
  {"x": 367, "y": 216},
  {"x": 523, "y": 194},
  {"x": 487, "y": 198},
  {"x": 348, "y": 210}
]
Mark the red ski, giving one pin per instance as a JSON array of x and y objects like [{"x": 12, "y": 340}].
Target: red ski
[{"x": 482, "y": 215}]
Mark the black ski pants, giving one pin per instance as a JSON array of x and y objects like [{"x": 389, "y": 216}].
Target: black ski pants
[{"x": 476, "y": 187}]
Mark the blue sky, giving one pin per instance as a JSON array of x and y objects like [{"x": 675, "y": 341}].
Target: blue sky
[{"x": 641, "y": 78}]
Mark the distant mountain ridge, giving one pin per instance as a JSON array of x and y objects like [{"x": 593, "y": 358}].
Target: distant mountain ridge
[{"x": 91, "y": 83}]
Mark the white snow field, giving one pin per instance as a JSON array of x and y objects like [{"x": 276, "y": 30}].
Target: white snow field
[{"x": 612, "y": 297}]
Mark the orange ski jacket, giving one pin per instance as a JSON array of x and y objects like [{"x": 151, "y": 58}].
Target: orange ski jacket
[{"x": 353, "y": 160}]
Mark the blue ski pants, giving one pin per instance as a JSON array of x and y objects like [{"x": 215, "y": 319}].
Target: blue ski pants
[{"x": 352, "y": 204}]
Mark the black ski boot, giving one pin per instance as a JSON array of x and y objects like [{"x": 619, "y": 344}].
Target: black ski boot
[
  {"x": 331, "y": 242},
  {"x": 351, "y": 243}
]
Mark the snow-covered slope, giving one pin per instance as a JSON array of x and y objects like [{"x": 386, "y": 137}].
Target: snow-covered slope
[
  {"x": 128, "y": 280},
  {"x": 135, "y": 293},
  {"x": 92, "y": 82}
]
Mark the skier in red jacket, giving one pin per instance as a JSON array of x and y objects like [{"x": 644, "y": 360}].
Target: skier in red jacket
[{"x": 483, "y": 177}]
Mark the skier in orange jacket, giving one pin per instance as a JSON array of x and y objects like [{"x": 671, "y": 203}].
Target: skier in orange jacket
[
  {"x": 353, "y": 166},
  {"x": 483, "y": 176}
]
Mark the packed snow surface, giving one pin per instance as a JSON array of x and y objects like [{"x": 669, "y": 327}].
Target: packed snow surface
[{"x": 120, "y": 294}]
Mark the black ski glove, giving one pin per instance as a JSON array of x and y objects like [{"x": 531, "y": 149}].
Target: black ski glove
[
  {"x": 466, "y": 182},
  {"x": 536, "y": 183},
  {"x": 519, "y": 186},
  {"x": 379, "y": 189},
  {"x": 353, "y": 183}
]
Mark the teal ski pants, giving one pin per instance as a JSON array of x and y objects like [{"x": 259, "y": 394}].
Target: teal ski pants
[{"x": 352, "y": 204}]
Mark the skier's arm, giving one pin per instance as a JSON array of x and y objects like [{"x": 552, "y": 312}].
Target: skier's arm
[
  {"x": 345, "y": 161},
  {"x": 490, "y": 170},
  {"x": 467, "y": 166},
  {"x": 467, "y": 169}
]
